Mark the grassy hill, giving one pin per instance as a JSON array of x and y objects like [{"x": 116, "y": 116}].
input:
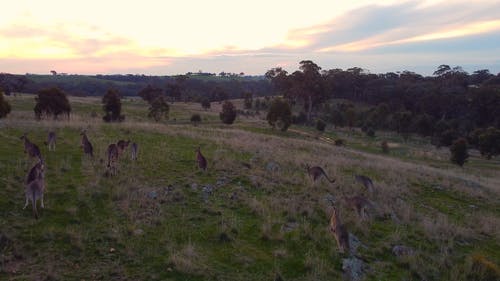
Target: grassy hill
[{"x": 253, "y": 215}]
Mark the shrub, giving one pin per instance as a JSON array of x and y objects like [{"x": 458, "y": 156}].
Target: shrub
[
  {"x": 459, "y": 153},
  {"x": 228, "y": 114},
  {"x": 489, "y": 142},
  {"x": 384, "y": 146},
  {"x": 299, "y": 119},
  {"x": 158, "y": 109},
  {"x": 195, "y": 119},
  {"x": 205, "y": 103},
  {"x": 279, "y": 114},
  {"x": 320, "y": 125},
  {"x": 248, "y": 100},
  {"x": 447, "y": 137},
  {"x": 370, "y": 132},
  {"x": 4, "y": 106},
  {"x": 51, "y": 102},
  {"x": 112, "y": 107},
  {"x": 339, "y": 142}
]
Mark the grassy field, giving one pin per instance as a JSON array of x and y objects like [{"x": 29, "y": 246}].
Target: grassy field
[{"x": 253, "y": 215}]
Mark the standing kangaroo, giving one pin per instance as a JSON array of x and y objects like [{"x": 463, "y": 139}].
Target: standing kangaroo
[
  {"x": 134, "y": 150},
  {"x": 360, "y": 204},
  {"x": 339, "y": 232},
  {"x": 86, "y": 145},
  {"x": 112, "y": 155},
  {"x": 365, "y": 181},
  {"x": 31, "y": 148},
  {"x": 35, "y": 188},
  {"x": 202, "y": 162},
  {"x": 316, "y": 172},
  {"x": 51, "y": 141}
]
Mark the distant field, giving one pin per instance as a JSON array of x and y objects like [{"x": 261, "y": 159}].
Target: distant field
[{"x": 263, "y": 218}]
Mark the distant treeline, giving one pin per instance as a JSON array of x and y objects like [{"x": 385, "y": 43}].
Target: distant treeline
[{"x": 192, "y": 87}]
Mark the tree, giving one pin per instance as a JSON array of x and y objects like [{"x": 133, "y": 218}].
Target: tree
[
  {"x": 4, "y": 106},
  {"x": 51, "y": 102},
  {"x": 205, "y": 103},
  {"x": 219, "y": 94},
  {"x": 228, "y": 114},
  {"x": 459, "y": 153},
  {"x": 158, "y": 109},
  {"x": 279, "y": 114},
  {"x": 150, "y": 93},
  {"x": 248, "y": 100},
  {"x": 195, "y": 119},
  {"x": 112, "y": 106}
]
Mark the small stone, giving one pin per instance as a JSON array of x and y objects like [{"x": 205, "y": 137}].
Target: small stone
[
  {"x": 138, "y": 232},
  {"x": 290, "y": 226},
  {"x": 272, "y": 166},
  {"x": 354, "y": 243},
  {"x": 194, "y": 186},
  {"x": 112, "y": 250},
  {"x": 400, "y": 250},
  {"x": 152, "y": 194}
]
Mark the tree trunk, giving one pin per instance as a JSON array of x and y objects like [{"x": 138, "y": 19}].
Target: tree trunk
[{"x": 309, "y": 108}]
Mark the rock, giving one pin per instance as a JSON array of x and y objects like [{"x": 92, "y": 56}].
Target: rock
[
  {"x": 395, "y": 218},
  {"x": 112, "y": 250},
  {"x": 221, "y": 181},
  {"x": 272, "y": 166},
  {"x": 290, "y": 226},
  {"x": 329, "y": 199},
  {"x": 138, "y": 232},
  {"x": 354, "y": 244},
  {"x": 194, "y": 186},
  {"x": 400, "y": 250},
  {"x": 152, "y": 194},
  {"x": 353, "y": 268},
  {"x": 207, "y": 190}
]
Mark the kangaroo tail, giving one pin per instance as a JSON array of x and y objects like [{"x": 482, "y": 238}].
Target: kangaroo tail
[
  {"x": 326, "y": 176},
  {"x": 33, "y": 203}
]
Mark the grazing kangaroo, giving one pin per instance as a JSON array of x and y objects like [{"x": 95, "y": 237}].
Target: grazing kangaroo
[
  {"x": 31, "y": 148},
  {"x": 133, "y": 150},
  {"x": 365, "y": 181},
  {"x": 86, "y": 145},
  {"x": 202, "y": 162},
  {"x": 316, "y": 172},
  {"x": 122, "y": 145},
  {"x": 360, "y": 204},
  {"x": 35, "y": 188},
  {"x": 51, "y": 141},
  {"x": 112, "y": 154},
  {"x": 339, "y": 232}
]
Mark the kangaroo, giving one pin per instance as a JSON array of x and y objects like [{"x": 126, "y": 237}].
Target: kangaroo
[
  {"x": 86, "y": 145},
  {"x": 360, "y": 204},
  {"x": 122, "y": 145},
  {"x": 31, "y": 148},
  {"x": 133, "y": 151},
  {"x": 51, "y": 141},
  {"x": 339, "y": 232},
  {"x": 35, "y": 188},
  {"x": 34, "y": 172},
  {"x": 202, "y": 162},
  {"x": 316, "y": 172},
  {"x": 365, "y": 181},
  {"x": 112, "y": 154}
]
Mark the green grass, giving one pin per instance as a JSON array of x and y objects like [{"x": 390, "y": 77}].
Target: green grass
[{"x": 149, "y": 223}]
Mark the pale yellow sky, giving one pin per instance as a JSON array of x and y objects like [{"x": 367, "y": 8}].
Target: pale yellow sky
[{"x": 171, "y": 36}]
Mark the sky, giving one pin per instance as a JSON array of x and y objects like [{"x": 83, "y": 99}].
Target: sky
[{"x": 174, "y": 37}]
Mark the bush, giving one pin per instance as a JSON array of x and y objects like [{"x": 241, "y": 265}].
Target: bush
[
  {"x": 459, "y": 153},
  {"x": 370, "y": 132},
  {"x": 4, "y": 106},
  {"x": 205, "y": 103},
  {"x": 158, "y": 109},
  {"x": 51, "y": 102},
  {"x": 112, "y": 107},
  {"x": 447, "y": 137},
  {"x": 320, "y": 125},
  {"x": 489, "y": 142},
  {"x": 339, "y": 142},
  {"x": 299, "y": 119},
  {"x": 279, "y": 114},
  {"x": 228, "y": 114},
  {"x": 385, "y": 147},
  {"x": 195, "y": 119}
]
